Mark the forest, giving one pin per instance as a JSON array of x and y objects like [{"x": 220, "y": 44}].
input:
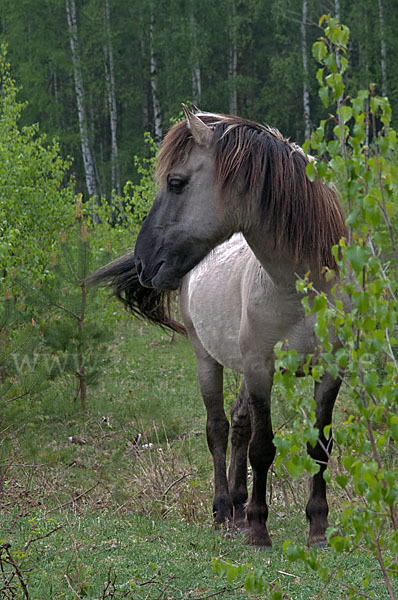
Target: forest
[
  {"x": 106, "y": 480},
  {"x": 98, "y": 74}
]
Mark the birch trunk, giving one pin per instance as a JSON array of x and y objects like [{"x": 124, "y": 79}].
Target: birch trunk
[
  {"x": 337, "y": 10},
  {"x": 306, "y": 96},
  {"x": 196, "y": 84},
  {"x": 111, "y": 97},
  {"x": 88, "y": 161},
  {"x": 233, "y": 62},
  {"x": 157, "y": 115},
  {"x": 338, "y": 62},
  {"x": 383, "y": 51},
  {"x": 196, "y": 75},
  {"x": 145, "y": 91}
]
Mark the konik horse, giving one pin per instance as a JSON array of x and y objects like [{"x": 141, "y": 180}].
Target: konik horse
[{"x": 235, "y": 222}]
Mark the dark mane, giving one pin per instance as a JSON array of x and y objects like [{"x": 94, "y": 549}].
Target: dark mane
[
  {"x": 148, "y": 303},
  {"x": 305, "y": 216}
]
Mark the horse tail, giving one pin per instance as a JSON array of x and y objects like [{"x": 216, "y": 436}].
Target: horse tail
[{"x": 147, "y": 303}]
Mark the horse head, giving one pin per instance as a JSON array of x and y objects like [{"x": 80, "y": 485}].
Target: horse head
[{"x": 186, "y": 220}]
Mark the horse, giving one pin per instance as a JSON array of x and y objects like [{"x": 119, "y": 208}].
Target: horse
[{"x": 234, "y": 223}]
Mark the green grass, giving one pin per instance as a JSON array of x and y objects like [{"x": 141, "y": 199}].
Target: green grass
[{"x": 89, "y": 515}]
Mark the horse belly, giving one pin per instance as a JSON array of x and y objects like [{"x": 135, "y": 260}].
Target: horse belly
[{"x": 214, "y": 302}]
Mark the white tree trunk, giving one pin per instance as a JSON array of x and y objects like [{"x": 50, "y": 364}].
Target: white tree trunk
[
  {"x": 196, "y": 84},
  {"x": 233, "y": 62},
  {"x": 383, "y": 51},
  {"x": 111, "y": 95},
  {"x": 337, "y": 10},
  {"x": 157, "y": 115},
  {"x": 306, "y": 96},
  {"x": 338, "y": 62},
  {"x": 88, "y": 160},
  {"x": 196, "y": 75}
]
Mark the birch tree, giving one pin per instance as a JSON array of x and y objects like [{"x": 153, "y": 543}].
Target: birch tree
[
  {"x": 111, "y": 98},
  {"x": 306, "y": 96},
  {"x": 88, "y": 158},
  {"x": 157, "y": 114},
  {"x": 196, "y": 74},
  {"x": 383, "y": 50},
  {"x": 233, "y": 61}
]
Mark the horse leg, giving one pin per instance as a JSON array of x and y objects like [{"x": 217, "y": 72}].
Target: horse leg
[
  {"x": 261, "y": 453},
  {"x": 210, "y": 374},
  {"x": 317, "y": 508},
  {"x": 237, "y": 473}
]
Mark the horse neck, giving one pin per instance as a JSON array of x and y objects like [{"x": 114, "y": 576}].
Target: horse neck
[{"x": 277, "y": 261}]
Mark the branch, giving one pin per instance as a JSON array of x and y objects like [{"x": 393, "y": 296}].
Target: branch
[
  {"x": 60, "y": 506},
  {"x": 238, "y": 587}
]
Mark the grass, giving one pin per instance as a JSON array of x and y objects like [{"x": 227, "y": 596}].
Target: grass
[{"x": 86, "y": 512}]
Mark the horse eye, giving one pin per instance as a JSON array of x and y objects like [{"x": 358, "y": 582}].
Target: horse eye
[{"x": 176, "y": 184}]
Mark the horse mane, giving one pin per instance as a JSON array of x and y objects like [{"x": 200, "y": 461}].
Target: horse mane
[{"x": 304, "y": 216}]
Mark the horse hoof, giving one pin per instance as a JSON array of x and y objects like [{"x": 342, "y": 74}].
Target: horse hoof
[
  {"x": 320, "y": 544},
  {"x": 241, "y": 524},
  {"x": 259, "y": 541},
  {"x": 317, "y": 543}
]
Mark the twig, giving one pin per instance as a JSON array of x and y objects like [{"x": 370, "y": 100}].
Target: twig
[
  {"x": 238, "y": 587},
  {"x": 17, "y": 571},
  {"x": 383, "y": 568},
  {"x": 60, "y": 506},
  {"x": 33, "y": 466},
  {"x": 174, "y": 483},
  {"x": 40, "y": 537}
]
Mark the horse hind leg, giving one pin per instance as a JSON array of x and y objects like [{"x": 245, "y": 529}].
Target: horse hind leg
[
  {"x": 317, "y": 508},
  {"x": 237, "y": 473}
]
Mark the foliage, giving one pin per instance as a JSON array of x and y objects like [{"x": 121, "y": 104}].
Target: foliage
[
  {"x": 34, "y": 203},
  {"x": 70, "y": 331},
  {"x": 267, "y": 39},
  {"x": 356, "y": 146},
  {"x": 139, "y": 197},
  {"x": 18, "y": 338}
]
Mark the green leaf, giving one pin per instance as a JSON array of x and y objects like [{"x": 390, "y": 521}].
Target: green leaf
[
  {"x": 358, "y": 257},
  {"x": 346, "y": 113},
  {"x": 310, "y": 170},
  {"x": 324, "y": 95},
  {"x": 342, "y": 480},
  {"x": 319, "y": 51}
]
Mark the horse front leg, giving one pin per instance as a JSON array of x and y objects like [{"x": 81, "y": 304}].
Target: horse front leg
[
  {"x": 237, "y": 472},
  {"x": 261, "y": 454},
  {"x": 210, "y": 375},
  {"x": 317, "y": 508}
]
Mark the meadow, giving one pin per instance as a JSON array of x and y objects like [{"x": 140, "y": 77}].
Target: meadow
[{"x": 115, "y": 501}]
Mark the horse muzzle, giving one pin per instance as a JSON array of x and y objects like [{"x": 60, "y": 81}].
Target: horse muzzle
[{"x": 157, "y": 276}]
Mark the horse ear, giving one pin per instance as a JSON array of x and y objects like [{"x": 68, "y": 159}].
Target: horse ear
[
  {"x": 195, "y": 109},
  {"x": 202, "y": 134}
]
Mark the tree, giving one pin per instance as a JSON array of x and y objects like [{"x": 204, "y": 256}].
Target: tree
[
  {"x": 367, "y": 360},
  {"x": 88, "y": 158},
  {"x": 34, "y": 203}
]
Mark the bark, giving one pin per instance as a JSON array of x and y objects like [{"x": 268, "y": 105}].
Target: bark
[
  {"x": 196, "y": 75},
  {"x": 88, "y": 161},
  {"x": 337, "y": 10},
  {"x": 157, "y": 114},
  {"x": 196, "y": 84},
  {"x": 111, "y": 97},
  {"x": 338, "y": 62},
  {"x": 306, "y": 96},
  {"x": 383, "y": 51},
  {"x": 145, "y": 92},
  {"x": 233, "y": 63}
]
